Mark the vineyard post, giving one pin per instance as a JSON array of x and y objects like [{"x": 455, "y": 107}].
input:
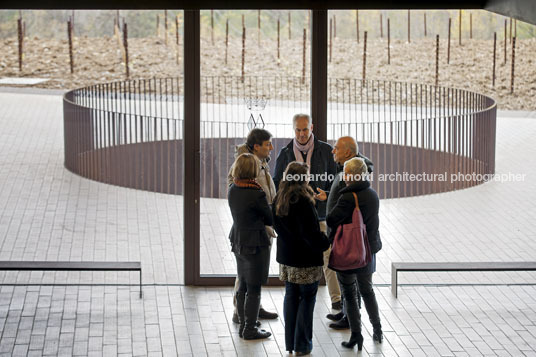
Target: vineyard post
[
  {"x": 304, "y": 53},
  {"x": 226, "y": 39},
  {"x": 437, "y": 61},
  {"x": 70, "y": 37},
  {"x": 513, "y": 65},
  {"x": 425, "y": 34},
  {"x": 243, "y": 50},
  {"x": 381, "y": 25},
  {"x": 165, "y": 27},
  {"x": 409, "y": 26},
  {"x": 357, "y": 24},
  {"x": 125, "y": 44},
  {"x": 20, "y": 38},
  {"x": 278, "y": 40},
  {"x": 388, "y": 41},
  {"x": 448, "y": 42},
  {"x": 494, "y": 57},
  {"x": 460, "y": 28},
  {"x": 364, "y": 54}
]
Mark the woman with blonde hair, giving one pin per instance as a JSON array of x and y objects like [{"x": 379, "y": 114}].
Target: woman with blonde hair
[
  {"x": 249, "y": 242},
  {"x": 358, "y": 191},
  {"x": 300, "y": 247}
]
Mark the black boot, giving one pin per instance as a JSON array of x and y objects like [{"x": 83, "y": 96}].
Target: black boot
[
  {"x": 377, "y": 334},
  {"x": 240, "y": 299},
  {"x": 251, "y": 312},
  {"x": 342, "y": 324},
  {"x": 335, "y": 317},
  {"x": 371, "y": 305},
  {"x": 355, "y": 339}
]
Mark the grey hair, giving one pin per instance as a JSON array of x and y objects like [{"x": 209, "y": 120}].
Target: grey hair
[
  {"x": 301, "y": 115},
  {"x": 355, "y": 166}
]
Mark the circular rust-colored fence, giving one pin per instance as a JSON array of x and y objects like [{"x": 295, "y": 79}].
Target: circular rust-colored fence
[{"x": 422, "y": 139}]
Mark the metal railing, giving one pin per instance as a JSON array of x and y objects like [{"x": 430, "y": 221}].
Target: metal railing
[{"x": 130, "y": 133}]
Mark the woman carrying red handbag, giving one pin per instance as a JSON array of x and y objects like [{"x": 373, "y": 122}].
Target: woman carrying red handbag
[{"x": 358, "y": 190}]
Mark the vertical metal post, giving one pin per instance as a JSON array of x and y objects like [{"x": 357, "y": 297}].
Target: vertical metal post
[
  {"x": 319, "y": 72},
  {"x": 191, "y": 139}
]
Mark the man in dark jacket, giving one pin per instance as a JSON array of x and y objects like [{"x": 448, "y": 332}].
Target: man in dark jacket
[{"x": 317, "y": 154}]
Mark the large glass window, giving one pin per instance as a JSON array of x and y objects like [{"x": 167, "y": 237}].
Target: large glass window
[{"x": 255, "y": 72}]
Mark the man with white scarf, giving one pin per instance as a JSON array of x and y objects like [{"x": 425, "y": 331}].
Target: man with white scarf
[{"x": 322, "y": 168}]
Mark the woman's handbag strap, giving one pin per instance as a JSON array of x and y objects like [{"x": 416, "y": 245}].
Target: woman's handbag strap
[{"x": 356, "y": 201}]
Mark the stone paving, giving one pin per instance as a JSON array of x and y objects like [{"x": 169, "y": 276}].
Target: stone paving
[{"x": 48, "y": 213}]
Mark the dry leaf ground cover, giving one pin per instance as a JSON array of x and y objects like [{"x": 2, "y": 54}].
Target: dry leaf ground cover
[{"x": 99, "y": 60}]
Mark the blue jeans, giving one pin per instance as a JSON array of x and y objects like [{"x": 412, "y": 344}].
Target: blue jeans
[{"x": 298, "y": 309}]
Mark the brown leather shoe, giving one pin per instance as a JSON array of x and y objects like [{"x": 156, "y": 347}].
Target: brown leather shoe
[{"x": 263, "y": 314}]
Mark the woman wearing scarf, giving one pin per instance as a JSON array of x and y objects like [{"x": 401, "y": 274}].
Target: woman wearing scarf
[{"x": 249, "y": 242}]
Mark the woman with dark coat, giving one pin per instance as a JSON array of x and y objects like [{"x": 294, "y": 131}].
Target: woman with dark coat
[
  {"x": 300, "y": 247},
  {"x": 249, "y": 243},
  {"x": 355, "y": 176}
]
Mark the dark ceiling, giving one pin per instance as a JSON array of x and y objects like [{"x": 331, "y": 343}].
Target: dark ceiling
[{"x": 524, "y": 10}]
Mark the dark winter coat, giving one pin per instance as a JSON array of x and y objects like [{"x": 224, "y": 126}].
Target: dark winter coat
[
  {"x": 339, "y": 184},
  {"x": 369, "y": 205},
  {"x": 300, "y": 242},
  {"x": 251, "y": 213},
  {"x": 321, "y": 163}
]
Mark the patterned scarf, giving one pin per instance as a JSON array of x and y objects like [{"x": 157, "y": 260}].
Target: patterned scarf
[
  {"x": 305, "y": 148},
  {"x": 247, "y": 183}
]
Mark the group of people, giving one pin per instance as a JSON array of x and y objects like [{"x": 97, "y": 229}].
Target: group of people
[{"x": 309, "y": 197}]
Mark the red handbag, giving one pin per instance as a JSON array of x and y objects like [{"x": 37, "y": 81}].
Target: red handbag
[{"x": 351, "y": 249}]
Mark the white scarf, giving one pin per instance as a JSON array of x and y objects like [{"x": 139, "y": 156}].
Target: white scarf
[{"x": 304, "y": 148}]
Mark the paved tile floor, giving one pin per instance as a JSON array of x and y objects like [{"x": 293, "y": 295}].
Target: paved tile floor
[{"x": 47, "y": 213}]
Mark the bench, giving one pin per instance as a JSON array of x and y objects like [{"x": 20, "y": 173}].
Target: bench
[
  {"x": 72, "y": 266},
  {"x": 456, "y": 266}
]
